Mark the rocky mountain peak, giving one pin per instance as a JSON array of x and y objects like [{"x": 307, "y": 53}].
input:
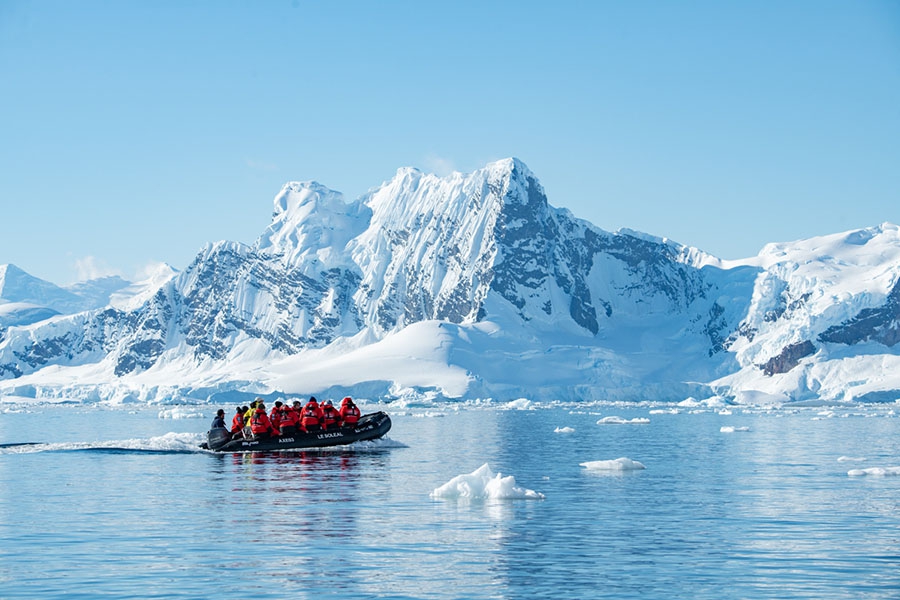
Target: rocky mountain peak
[{"x": 311, "y": 222}]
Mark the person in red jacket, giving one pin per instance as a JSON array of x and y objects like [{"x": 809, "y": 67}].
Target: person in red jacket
[
  {"x": 311, "y": 417},
  {"x": 237, "y": 423},
  {"x": 298, "y": 414},
  {"x": 260, "y": 423},
  {"x": 331, "y": 418},
  {"x": 290, "y": 418},
  {"x": 349, "y": 413},
  {"x": 275, "y": 415}
]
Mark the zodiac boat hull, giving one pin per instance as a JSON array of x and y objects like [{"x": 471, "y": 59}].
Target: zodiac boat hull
[{"x": 370, "y": 427}]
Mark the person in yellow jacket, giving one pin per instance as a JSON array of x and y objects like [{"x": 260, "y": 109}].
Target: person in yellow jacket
[{"x": 248, "y": 416}]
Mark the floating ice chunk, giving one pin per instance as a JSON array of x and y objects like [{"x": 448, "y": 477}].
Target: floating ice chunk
[
  {"x": 483, "y": 483},
  {"x": 881, "y": 471},
  {"x": 619, "y": 464},
  {"x": 621, "y": 421},
  {"x": 851, "y": 459},
  {"x": 563, "y": 430},
  {"x": 181, "y": 412},
  {"x": 520, "y": 404},
  {"x": 731, "y": 429},
  {"x": 712, "y": 401},
  {"x": 690, "y": 402}
]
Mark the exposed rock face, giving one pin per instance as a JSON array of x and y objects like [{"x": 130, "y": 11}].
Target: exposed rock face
[
  {"x": 880, "y": 324},
  {"x": 789, "y": 358},
  {"x": 232, "y": 291}
]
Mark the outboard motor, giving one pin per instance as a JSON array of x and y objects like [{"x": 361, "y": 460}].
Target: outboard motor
[{"x": 216, "y": 438}]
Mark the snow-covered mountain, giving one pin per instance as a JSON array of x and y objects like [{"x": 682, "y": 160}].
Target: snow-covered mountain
[
  {"x": 474, "y": 286},
  {"x": 25, "y": 299},
  {"x": 17, "y": 286},
  {"x": 824, "y": 320}
]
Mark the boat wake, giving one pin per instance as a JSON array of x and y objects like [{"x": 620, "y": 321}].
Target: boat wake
[{"x": 170, "y": 443}]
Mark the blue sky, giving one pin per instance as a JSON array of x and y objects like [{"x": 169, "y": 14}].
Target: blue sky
[{"x": 136, "y": 132}]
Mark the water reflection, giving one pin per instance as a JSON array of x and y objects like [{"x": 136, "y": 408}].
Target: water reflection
[{"x": 305, "y": 507}]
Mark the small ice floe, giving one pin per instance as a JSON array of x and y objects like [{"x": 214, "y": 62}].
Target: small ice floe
[
  {"x": 563, "y": 430},
  {"x": 879, "y": 471},
  {"x": 619, "y": 464},
  {"x": 520, "y": 404},
  {"x": 851, "y": 459},
  {"x": 621, "y": 421},
  {"x": 181, "y": 412},
  {"x": 732, "y": 429},
  {"x": 711, "y": 402},
  {"x": 483, "y": 483},
  {"x": 428, "y": 414}
]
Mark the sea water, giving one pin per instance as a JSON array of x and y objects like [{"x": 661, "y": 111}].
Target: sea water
[{"x": 118, "y": 502}]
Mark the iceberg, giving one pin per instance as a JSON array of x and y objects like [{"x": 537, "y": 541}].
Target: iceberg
[
  {"x": 619, "y": 464},
  {"x": 879, "y": 471},
  {"x": 484, "y": 483},
  {"x": 621, "y": 421}
]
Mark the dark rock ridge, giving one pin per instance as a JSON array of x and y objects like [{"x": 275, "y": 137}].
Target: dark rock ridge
[
  {"x": 880, "y": 324},
  {"x": 788, "y": 358}
]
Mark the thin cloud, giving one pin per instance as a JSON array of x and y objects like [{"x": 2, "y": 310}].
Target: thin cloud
[
  {"x": 439, "y": 165},
  {"x": 91, "y": 267}
]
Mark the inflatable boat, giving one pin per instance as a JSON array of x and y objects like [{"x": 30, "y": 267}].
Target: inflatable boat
[{"x": 369, "y": 427}]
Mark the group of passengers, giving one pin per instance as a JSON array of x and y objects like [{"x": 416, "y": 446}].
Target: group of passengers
[{"x": 287, "y": 419}]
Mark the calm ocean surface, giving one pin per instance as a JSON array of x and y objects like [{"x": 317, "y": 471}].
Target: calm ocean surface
[{"x": 123, "y": 506}]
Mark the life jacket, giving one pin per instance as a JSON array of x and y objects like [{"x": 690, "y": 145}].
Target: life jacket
[
  {"x": 311, "y": 416},
  {"x": 259, "y": 422},
  {"x": 288, "y": 419},
  {"x": 350, "y": 414},
  {"x": 330, "y": 417},
  {"x": 275, "y": 416},
  {"x": 237, "y": 423}
]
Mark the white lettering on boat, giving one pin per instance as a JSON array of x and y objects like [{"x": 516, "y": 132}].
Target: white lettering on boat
[{"x": 322, "y": 436}]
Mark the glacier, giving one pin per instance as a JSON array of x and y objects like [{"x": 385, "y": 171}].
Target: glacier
[{"x": 468, "y": 286}]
